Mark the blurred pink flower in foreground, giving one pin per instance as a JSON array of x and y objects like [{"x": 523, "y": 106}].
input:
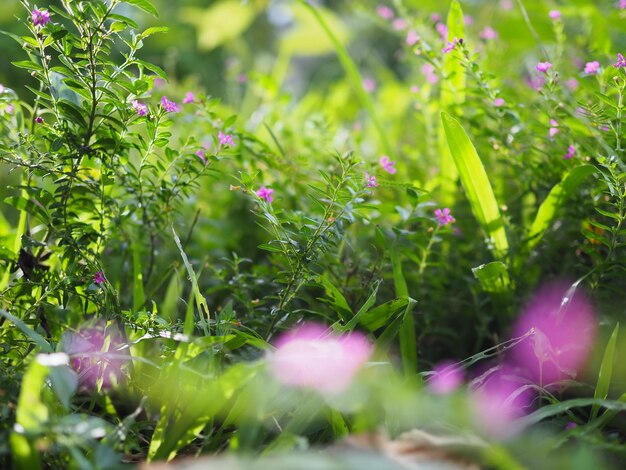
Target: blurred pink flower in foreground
[
  {"x": 563, "y": 329},
  {"x": 500, "y": 397},
  {"x": 498, "y": 102},
  {"x": 412, "y": 37},
  {"x": 96, "y": 354},
  {"x": 429, "y": 72},
  {"x": 388, "y": 165},
  {"x": 554, "y": 15},
  {"x": 446, "y": 378},
  {"x": 311, "y": 357},
  {"x": 384, "y": 12},
  {"x": 189, "y": 98},
  {"x": 592, "y": 68}
]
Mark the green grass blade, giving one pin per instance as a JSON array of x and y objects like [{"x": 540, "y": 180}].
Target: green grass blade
[
  {"x": 28, "y": 331},
  {"x": 408, "y": 340},
  {"x": 355, "y": 78},
  {"x": 606, "y": 372},
  {"x": 452, "y": 93},
  {"x": 477, "y": 186},
  {"x": 139, "y": 295},
  {"x": 556, "y": 198}
]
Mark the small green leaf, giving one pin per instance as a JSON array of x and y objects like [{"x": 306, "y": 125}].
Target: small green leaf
[
  {"x": 606, "y": 371},
  {"x": 144, "y": 5},
  {"x": 493, "y": 277}
]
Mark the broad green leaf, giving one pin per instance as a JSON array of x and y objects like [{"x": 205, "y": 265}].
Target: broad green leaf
[
  {"x": 477, "y": 186},
  {"x": 548, "y": 411},
  {"x": 452, "y": 94},
  {"x": 558, "y": 195},
  {"x": 337, "y": 300},
  {"x": 144, "y": 5},
  {"x": 606, "y": 371},
  {"x": 493, "y": 277}
]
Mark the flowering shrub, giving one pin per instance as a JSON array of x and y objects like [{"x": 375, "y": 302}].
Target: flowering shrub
[{"x": 207, "y": 251}]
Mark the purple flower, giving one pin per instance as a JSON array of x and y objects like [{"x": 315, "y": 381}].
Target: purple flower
[
  {"x": 40, "y": 17},
  {"x": 488, "y": 33},
  {"x": 498, "y": 102},
  {"x": 140, "y": 108},
  {"x": 446, "y": 378},
  {"x": 412, "y": 37},
  {"x": 554, "y": 15},
  {"x": 592, "y": 68},
  {"x": 189, "y": 98},
  {"x": 38, "y": 119},
  {"x": 429, "y": 72},
  {"x": 225, "y": 140},
  {"x": 554, "y": 128},
  {"x": 169, "y": 106},
  {"x": 98, "y": 278},
  {"x": 571, "y": 425},
  {"x": 442, "y": 29},
  {"x": 369, "y": 85},
  {"x": 622, "y": 5},
  {"x": 385, "y": 12},
  {"x": 571, "y": 151},
  {"x": 388, "y": 165},
  {"x": 560, "y": 326},
  {"x": 370, "y": 181},
  {"x": 543, "y": 67},
  {"x": 443, "y": 217},
  {"x": 311, "y": 357},
  {"x": 451, "y": 45},
  {"x": 621, "y": 61},
  {"x": 202, "y": 156},
  {"x": 265, "y": 193}
]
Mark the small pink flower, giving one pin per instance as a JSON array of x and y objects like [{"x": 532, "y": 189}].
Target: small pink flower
[
  {"x": 554, "y": 15},
  {"x": 225, "y": 140},
  {"x": 98, "y": 278},
  {"x": 442, "y": 29},
  {"x": 443, "y": 217},
  {"x": 38, "y": 119},
  {"x": 412, "y": 37},
  {"x": 9, "y": 108},
  {"x": 242, "y": 78},
  {"x": 370, "y": 181},
  {"x": 202, "y": 156},
  {"x": 435, "y": 17},
  {"x": 40, "y": 17},
  {"x": 385, "y": 12},
  {"x": 621, "y": 61},
  {"x": 592, "y": 68},
  {"x": 369, "y": 85},
  {"x": 415, "y": 89},
  {"x": 498, "y": 102},
  {"x": 571, "y": 151},
  {"x": 311, "y": 357},
  {"x": 189, "y": 98},
  {"x": 399, "y": 24},
  {"x": 388, "y": 165},
  {"x": 451, "y": 45},
  {"x": 169, "y": 106},
  {"x": 506, "y": 5},
  {"x": 543, "y": 67},
  {"x": 554, "y": 128},
  {"x": 571, "y": 84},
  {"x": 468, "y": 20},
  {"x": 265, "y": 193},
  {"x": 446, "y": 378},
  {"x": 140, "y": 108},
  {"x": 429, "y": 72},
  {"x": 488, "y": 34}
]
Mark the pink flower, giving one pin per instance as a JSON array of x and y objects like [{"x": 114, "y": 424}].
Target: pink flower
[
  {"x": 554, "y": 128},
  {"x": 98, "y": 278},
  {"x": 385, "y": 12},
  {"x": 311, "y": 357},
  {"x": 412, "y": 37},
  {"x": 592, "y": 68},
  {"x": 399, "y": 24},
  {"x": 506, "y": 5},
  {"x": 140, "y": 108},
  {"x": 9, "y": 108},
  {"x": 40, "y": 17},
  {"x": 562, "y": 328},
  {"x": 265, "y": 193},
  {"x": 202, "y": 156},
  {"x": 429, "y": 72},
  {"x": 543, "y": 67},
  {"x": 622, "y": 5},
  {"x": 225, "y": 140},
  {"x": 451, "y": 45},
  {"x": 443, "y": 217},
  {"x": 189, "y": 98},
  {"x": 388, "y": 165},
  {"x": 498, "y": 102},
  {"x": 536, "y": 83},
  {"x": 38, "y": 119},
  {"x": 169, "y": 106},
  {"x": 446, "y": 378},
  {"x": 488, "y": 33},
  {"x": 571, "y": 151},
  {"x": 435, "y": 17},
  {"x": 442, "y": 29},
  {"x": 621, "y": 61},
  {"x": 500, "y": 397},
  {"x": 369, "y": 85},
  {"x": 554, "y": 15},
  {"x": 468, "y": 20},
  {"x": 571, "y": 84},
  {"x": 415, "y": 89},
  {"x": 370, "y": 181},
  {"x": 242, "y": 78}
]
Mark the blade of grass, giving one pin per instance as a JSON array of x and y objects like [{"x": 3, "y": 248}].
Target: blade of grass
[
  {"x": 606, "y": 372},
  {"x": 28, "y": 331},
  {"x": 408, "y": 340},
  {"x": 477, "y": 186},
  {"x": 355, "y": 78}
]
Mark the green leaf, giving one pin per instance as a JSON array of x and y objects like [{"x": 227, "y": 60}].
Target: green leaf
[
  {"x": 606, "y": 371},
  {"x": 493, "y": 277},
  {"x": 557, "y": 196},
  {"x": 144, "y": 5},
  {"x": 477, "y": 186},
  {"x": 153, "y": 30},
  {"x": 28, "y": 331},
  {"x": 337, "y": 300}
]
